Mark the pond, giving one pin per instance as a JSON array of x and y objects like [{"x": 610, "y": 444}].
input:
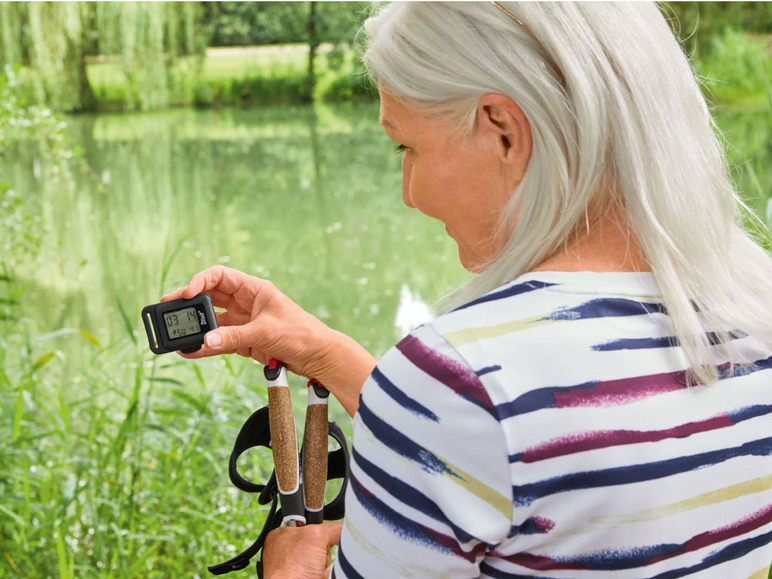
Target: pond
[{"x": 308, "y": 197}]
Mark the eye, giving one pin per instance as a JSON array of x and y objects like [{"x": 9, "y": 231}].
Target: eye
[{"x": 400, "y": 149}]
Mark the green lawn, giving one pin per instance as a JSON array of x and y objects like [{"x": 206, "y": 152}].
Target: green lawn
[{"x": 246, "y": 75}]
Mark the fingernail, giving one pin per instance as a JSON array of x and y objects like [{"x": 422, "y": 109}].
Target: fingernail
[{"x": 213, "y": 339}]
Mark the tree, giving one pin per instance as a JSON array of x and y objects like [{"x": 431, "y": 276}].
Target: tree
[
  {"x": 696, "y": 23},
  {"x": 54, "y": 39}
]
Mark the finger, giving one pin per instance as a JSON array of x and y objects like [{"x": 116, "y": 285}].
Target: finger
[
  {"x": 227, "y": 339},
  {"x": 224, "y": 279},
  {"x": 204, "y": 352},
  {"x": 231, "y": 318},
  {"x": 176, "y": 294},
  {"x": 213, "y": 346},
  {"x": 333, "y": 530},
  {"x": 221, "y": 299},
  {"x": 195, "y": 286}
]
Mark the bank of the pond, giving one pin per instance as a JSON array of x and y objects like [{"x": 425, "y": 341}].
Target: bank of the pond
[
  {"x": 244, "y": 76},
  {"x": 735, "y": 72}
]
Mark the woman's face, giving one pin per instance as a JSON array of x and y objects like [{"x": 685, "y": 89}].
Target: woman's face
[{"x": 456, "y": 178}]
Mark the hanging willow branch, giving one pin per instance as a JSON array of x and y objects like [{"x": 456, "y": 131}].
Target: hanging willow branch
[{"x": 152, "y": 40}]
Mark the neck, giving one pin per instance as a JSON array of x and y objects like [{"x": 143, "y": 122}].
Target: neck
[{"x": 606, "y": 244}]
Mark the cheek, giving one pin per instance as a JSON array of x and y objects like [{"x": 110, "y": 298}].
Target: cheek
[{"x": 407, "y": 175}]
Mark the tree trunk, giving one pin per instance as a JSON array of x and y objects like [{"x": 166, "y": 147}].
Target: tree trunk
[{"x": 313, "y": 42}]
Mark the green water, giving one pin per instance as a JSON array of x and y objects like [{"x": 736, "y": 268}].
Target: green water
[{"x": 307, "y": 197}]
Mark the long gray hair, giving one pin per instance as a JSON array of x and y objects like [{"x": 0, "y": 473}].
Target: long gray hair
[{"x": 615, "y": 111}]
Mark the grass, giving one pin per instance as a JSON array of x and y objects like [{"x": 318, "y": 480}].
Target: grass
[{"x": 115, "y": 469}]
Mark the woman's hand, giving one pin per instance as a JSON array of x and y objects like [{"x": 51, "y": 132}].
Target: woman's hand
[
  {"x": 300, "y": 553},
  {"x": 262, "y": 323}
]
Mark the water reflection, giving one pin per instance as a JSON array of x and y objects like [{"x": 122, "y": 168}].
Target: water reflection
[
  {"x": 309, "y": 198},
  {"x": 412, "y": 311}
]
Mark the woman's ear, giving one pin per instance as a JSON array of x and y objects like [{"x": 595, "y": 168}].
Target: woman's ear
[{"x": 499, "y": 118}]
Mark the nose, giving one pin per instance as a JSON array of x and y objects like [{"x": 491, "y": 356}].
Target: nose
[{"x": 407, "y": 168}]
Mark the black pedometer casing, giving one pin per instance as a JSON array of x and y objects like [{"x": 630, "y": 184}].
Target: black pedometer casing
[{"x": 179, "y": 324}]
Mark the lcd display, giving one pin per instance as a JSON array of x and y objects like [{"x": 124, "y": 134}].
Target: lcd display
[{"x": 182, "y": 323}]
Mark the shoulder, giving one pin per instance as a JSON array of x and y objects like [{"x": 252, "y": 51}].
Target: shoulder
[
  {"x": 551, "y": 329},
  {"x": 430, "y": 464},
  {"x": 539, "y": 304},
  {"x": 552, "y": 296},
  {"x": 422, "y": 369}
]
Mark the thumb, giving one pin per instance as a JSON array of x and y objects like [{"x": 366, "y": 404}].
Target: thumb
[{"x": 224, "y": 339}]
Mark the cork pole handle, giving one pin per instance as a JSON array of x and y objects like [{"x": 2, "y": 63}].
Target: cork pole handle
[
  {"x": 315, "y": 452},
  {"x": 284, "y": 444}
]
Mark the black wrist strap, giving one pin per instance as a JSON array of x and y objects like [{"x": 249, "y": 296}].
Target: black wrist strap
[{"x": 256, "y": 432}]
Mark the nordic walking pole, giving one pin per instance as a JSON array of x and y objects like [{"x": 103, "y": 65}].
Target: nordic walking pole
[
  {"x": 315, "y": 452},
  {"x": 284, "y": 444}
]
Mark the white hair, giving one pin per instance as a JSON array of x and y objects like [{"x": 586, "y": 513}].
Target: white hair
[{"x": 615, "y": 111}]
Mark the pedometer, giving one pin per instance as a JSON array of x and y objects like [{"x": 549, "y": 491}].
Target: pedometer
[{"x": 179, "y": 324}]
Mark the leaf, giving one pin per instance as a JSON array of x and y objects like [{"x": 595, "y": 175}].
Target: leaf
[
  {"x": 136, "y": 569},
  {"x": 170, "y": 260},
  {"x": 203, "y": 516},
  {"x": 16, "y": 294},
  {"x": 164, "y": 380},
  {"x": 4, "y": 380},
  {"x": 14, "y": 516},
  {"x": 64, "y": 413},
  {"x": 43, "y": 360},
  {"x": 199, "y": 376},
  {"x": 60, "y": 552},
  {"x": 90, "y": 337},
  {"x": 126, "y": 322},
  {"x": 190, "y": 400},
  {"x": 18, "y": 410},
  {"x": 55, "y": 334}
]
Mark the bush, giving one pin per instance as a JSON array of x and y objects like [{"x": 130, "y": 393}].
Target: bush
[{"x": 737, "y": 67}]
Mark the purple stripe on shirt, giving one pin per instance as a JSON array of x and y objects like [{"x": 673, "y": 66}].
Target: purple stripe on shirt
[
  {"x": 584, "y": 441},
  {"x": 598, "y": 394},
  {"x": 459, "y": 378},
  {"x": 613, "y": 392},
  {"x": 614, "y": 560},
  {"x": 623, "y": 391}
]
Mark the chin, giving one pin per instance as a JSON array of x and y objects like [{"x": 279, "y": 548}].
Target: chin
[
  {"x": 472, "y": 264},
  {"x": 476, "y": 261}
]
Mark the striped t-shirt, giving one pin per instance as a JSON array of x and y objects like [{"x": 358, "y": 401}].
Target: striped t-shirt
[{"x": 544, "y": 430}]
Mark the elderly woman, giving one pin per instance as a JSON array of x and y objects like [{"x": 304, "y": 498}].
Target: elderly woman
[{"x": 596, "y": 401}]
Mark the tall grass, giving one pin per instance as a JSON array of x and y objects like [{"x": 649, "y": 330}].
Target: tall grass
[{"x": 115, "y": 468}]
